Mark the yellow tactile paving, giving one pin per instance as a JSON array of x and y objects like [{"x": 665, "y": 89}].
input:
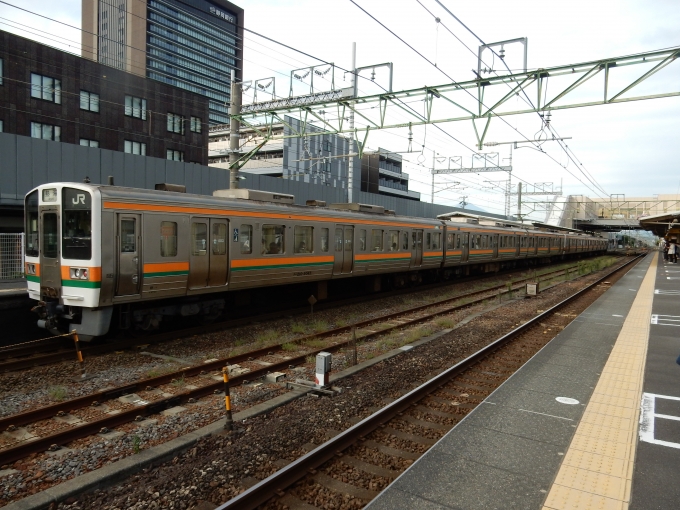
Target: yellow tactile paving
[{"x": 597, "y": 469}]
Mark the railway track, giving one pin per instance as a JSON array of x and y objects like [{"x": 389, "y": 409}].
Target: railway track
[
  {"x": 160, "y": 393},
  {"x": 404, "y": 429},
  {"x": 61, "y": 348}
]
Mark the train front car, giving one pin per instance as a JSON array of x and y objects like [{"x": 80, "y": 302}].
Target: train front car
[{"x": 63, "y": 258}]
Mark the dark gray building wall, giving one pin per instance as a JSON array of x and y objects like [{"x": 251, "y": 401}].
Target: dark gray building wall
[{"x": 28, "y": 162}]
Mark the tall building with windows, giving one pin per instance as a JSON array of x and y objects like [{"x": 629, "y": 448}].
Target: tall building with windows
[{"x": 191, "y": 44}]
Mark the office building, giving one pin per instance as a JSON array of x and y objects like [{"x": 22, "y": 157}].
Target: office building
[
  {"x": 381, "y": 172},
  {"x": 53, "y": 95},
  {"x": 190, "y": 44}
]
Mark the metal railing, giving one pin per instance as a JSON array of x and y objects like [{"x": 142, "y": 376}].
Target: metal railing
[{"x": 11, "y": 256}]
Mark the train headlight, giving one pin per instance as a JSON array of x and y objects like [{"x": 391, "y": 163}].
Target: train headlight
[
  {"x": 30, "y": 268},
  {"x": 80, "y": 273}
]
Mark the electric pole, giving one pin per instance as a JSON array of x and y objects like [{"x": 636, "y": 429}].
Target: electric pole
[
  {"x": 350, "y": 167},
  {"x": 234, "y": 131}
]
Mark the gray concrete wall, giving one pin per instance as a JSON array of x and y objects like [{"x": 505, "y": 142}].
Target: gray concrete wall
[{"x": 28, "y": 162}]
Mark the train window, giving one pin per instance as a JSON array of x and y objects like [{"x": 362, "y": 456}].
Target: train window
[
  {"x": 219, "y": 239},
  {"x": 199, "y": 239},
  {"x": 273, "y": 239},
  {"x": 77, "y": 224},
  {"x": 338, "y": 239},
  {"x": 362, "y": 240},
  {"x": 458, "y": 242},
  {"x": 436, "y": 241},
  {"x": 324, "y": 239},
  {"x": 128, "y": 239},
  {"x": 245, "y": 238},
  {"x": 32, "y": 216},
  {"x": 168, "y": 239},
  {"x": 393, "y": 240},
  {"x": 449, "y": 241},
  {"x": 428, "y": 240},
  {"x": 50, "y": 244},
  {"x": 404, "y": 240},
  {"x": 349, "y": 238},
  {"x": 304, "y": 239},
  {"x": 485, "y": 242},
  {"x": 377, "y": 240}
]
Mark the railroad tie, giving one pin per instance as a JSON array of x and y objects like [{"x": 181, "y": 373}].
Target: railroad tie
[{"x": 344, "y": 488}]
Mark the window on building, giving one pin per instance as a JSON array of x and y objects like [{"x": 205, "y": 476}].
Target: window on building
[
  {"x": 175, "y": 123},
  {"x": 245, "y": 236},
  {"x": 135, "y": 107},
  {"x": 1, "y": 71},
  {"x": 89, "y": 101},
  {"x": 135, "y": 148},
  {"x": 327, "y": 145},
  {"x": 45, "y": 131},
  {"x": 89, "y": 143},
  {"x": 173, "y": 155},
  {"x": 44, "y": 87},
  {"x": 168, "y": 239},
  {"x": 196, "y": 124},
  {"x": 304, "y": 238}
]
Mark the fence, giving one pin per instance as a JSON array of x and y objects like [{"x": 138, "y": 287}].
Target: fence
[{"x": 11, "y": 256}]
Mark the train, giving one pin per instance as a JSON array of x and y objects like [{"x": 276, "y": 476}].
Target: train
[{"x": 103, "y": 255}]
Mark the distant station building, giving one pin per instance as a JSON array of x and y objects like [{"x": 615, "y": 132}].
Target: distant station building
[
  {"x": 314, "y": 159},
  {"x": 53, "y": 95},
  {"x": 191, "y": 44}
]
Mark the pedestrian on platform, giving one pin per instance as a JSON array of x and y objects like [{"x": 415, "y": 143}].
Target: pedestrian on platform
[
  {"x": 673, "y": 252},
  {"x": 663, "y": 246}
]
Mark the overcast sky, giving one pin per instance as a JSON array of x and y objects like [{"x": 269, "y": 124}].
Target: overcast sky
[{"x": 631, "y": 148}]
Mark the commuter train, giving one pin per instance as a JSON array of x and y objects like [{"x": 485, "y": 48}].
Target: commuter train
[{"x": 98, "y": 255}]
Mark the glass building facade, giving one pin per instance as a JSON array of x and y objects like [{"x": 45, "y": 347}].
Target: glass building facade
[
  {"x": 194, "y": 45},
  {"x": 190, "y": 44}
]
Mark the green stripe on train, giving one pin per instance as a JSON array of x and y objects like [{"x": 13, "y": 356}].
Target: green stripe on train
[
  {"x": 34, "y": 279},
  {"x": 281, "y": 266},
  {"x": 166, "y": 273},
  {"x": 81, "y": 283}
]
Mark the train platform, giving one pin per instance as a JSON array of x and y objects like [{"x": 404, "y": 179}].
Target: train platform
[
  {"x": 16, "y": 287},
  {"x": 592, "y": 421}
]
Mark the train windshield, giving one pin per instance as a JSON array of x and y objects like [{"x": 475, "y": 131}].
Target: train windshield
[
  {"x": 77, "y": 224},
  {"x": 32, "y": 239}
]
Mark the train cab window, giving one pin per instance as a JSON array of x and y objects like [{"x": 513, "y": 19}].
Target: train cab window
[
  {"x": 324, "y": 240},
  {"x": 245, "y": 238},
  {"x": 362, "y": 240},
  {"x": 273, "y": 239},
  {"x": 32, "y": 215},
  {"x": 304, "y": 239},
  {"x": 219, "y": 239},
  {"x": 437, "y": 241},
  {"x": 404, "y": 240},
  {"x": 50, "y": 239},
  {"x": 77, "y": 224},
  {"x": 377, "y": 240},
  {"x": 168, "y": 239},
  {"x": 449, "y": 241},
  {"x": 393, "y": 240},
  {"x": 199, "y": 239}
]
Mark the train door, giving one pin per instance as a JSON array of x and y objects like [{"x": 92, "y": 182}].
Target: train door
[
  {"x": 344, "y": 249},
  {"x": 50, "y": 267},
  {"x": 128, "y": 247},
  {"x": 494, "y": 245},
  {"x": 464, "y": 246},
  {"x": 416, "y": 248},
  {"x": 208, "y": 253}
]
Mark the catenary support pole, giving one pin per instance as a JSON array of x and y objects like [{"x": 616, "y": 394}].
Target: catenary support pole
[
  {"x": 234, "y": 131},
  {"x": 519, "y": 201},
  {"x": 350, "y": 166}
]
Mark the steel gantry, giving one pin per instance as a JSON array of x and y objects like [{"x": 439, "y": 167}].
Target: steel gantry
[{"x": 477, "y": 100}]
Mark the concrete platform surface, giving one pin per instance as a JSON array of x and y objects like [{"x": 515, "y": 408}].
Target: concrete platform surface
[{"x": 508, "y": 452}]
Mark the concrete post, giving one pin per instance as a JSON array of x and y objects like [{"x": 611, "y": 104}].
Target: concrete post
[
  {"x": 350, "y": 166},
  {"x": 234, "y": 131}
]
